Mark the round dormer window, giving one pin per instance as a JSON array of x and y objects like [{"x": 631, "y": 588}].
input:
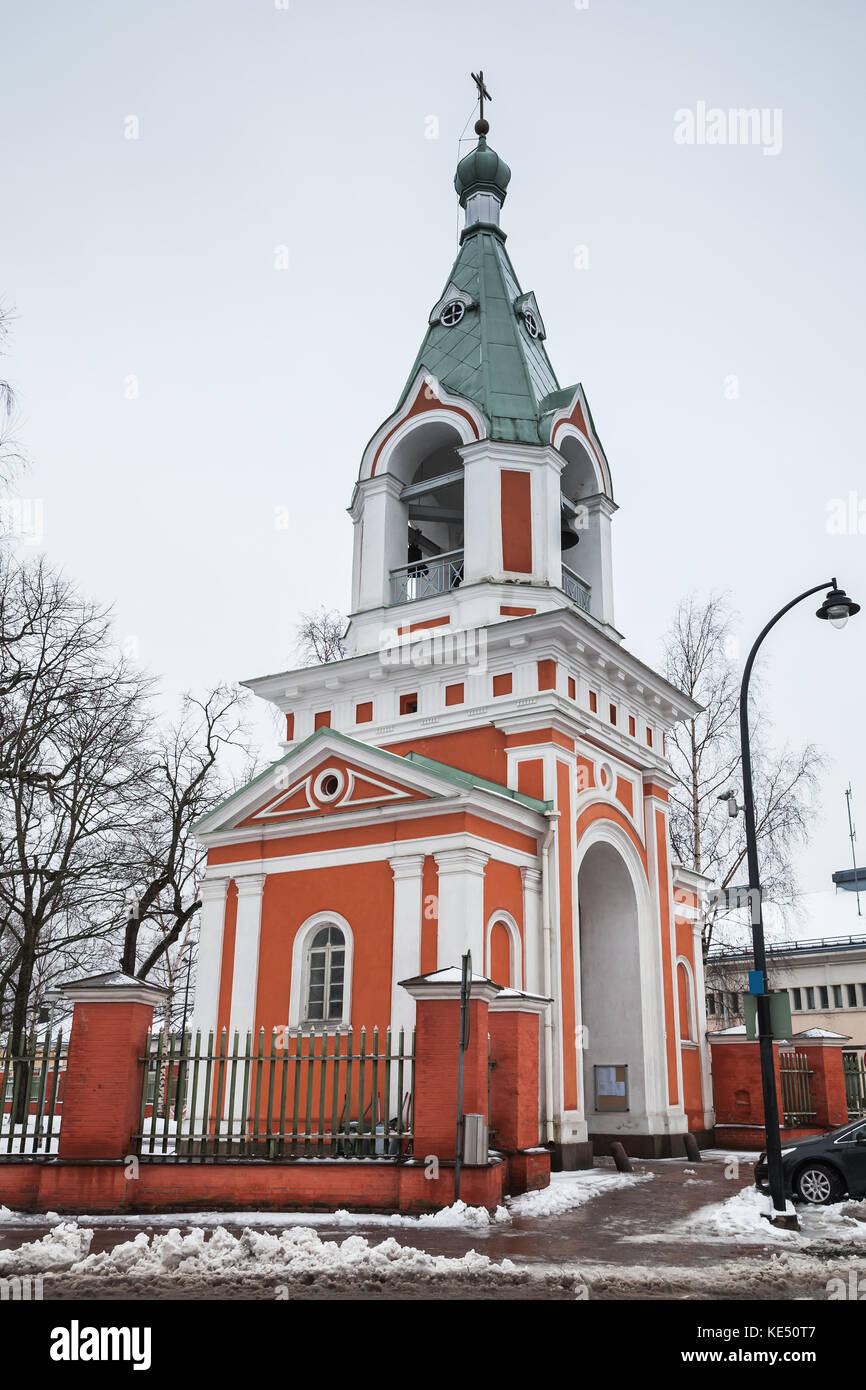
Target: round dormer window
[
  {"x": 452, "y": 313},
  {"x": 329, "y": 784},
  {"x": 531, "y": 323}
]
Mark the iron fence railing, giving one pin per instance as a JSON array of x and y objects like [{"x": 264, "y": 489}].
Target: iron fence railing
[
  {"x": 435, "y": 574},
  {"x": 31, "y": 1093},
  {"x": 854, "y": 1067},
  {"x": 576, "y": 588},
  {"x": 295, "y": 1094},
  {"x": 795, "y": 1076}
]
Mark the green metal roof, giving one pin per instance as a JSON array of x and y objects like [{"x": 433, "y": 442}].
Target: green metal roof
[
  {"x": 489, "y": 356},
  {"x": 468, "y": 779}
]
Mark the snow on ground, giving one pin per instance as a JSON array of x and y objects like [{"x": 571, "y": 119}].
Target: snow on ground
[
  {"x": 566, "y": 1192},
  {"x": 570, "y": 1190},
  {"x": 296, "y": 1255},
  {"x": 739, "y": 1218}
]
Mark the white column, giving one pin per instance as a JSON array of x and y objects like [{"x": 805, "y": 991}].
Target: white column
[
  {"x": 245, "y": 978},
  {"x": 212, "y": 892},
  {"x": 406, "y": 959},
  {"x": 482, "y": 533},
  {"x": 546, "y": 519},
  {"x": 593, "y": 559},
  {"x": 461, "y": 907},
  {"x": 382, "y": 539},
  {"x": 533, "y": 935}
]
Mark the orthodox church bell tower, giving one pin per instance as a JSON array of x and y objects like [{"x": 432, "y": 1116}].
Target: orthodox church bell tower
[
  {"x": 488, "y": 488},
  {"x": 485, "y": 767}
]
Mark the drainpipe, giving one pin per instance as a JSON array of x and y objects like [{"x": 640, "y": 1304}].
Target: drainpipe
[{"x": 547, "y": 922}]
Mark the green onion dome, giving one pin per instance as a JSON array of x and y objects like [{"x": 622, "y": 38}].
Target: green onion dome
[{"x": 481, "y": 171}]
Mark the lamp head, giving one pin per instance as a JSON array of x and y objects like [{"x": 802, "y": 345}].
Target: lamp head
[{"x": 837, "y": 607}]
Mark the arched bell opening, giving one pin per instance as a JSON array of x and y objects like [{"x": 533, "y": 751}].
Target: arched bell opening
[
  {"x": 430, "y": 468},
  {"x": 581, "y": 547}
]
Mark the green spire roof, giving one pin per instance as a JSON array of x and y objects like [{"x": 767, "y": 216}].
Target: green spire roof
[{"x": 489, "y": 355}]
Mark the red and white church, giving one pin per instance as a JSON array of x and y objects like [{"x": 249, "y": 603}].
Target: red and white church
[{"x": 485, "y": 768}]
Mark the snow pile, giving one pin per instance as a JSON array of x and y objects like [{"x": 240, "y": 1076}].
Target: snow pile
[
  {"x": 570, "y": 1190},
  {"x": 59, "y": 1250},
  {"x": 296, "y": 1254},
  {"x": 741, "y": 1218},
  {"x": 776, "y": 1274}
]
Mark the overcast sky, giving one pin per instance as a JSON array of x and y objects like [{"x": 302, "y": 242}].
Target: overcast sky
[{"x": 715, "y": 315}]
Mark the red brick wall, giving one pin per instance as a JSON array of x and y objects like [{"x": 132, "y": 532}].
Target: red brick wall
[
  {"x": 437, "y": 1034},
  {"x": 103, "y": 1079},
  {"x": 514, "y": 1079}
]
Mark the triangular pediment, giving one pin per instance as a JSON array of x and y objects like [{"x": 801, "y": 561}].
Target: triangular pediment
[
  {"x": 331, "y": 775},
  {"x": 332, "y": 786}
]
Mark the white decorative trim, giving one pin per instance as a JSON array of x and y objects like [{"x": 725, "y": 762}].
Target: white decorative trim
[
  {"x": 691, "y": 999},
  {"x": 300, "y": 972},
  {"x": 515, "y": 952}
]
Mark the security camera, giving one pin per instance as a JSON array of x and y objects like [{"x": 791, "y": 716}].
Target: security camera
[{"x": 731, "y": 798}]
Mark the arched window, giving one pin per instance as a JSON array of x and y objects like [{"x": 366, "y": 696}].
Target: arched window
[
  {"x": 504, "y": 954},
  {"x": 326, "y": 965},
  {"x": 320, "y": 994},
  {"x": 685, "y": 991}
]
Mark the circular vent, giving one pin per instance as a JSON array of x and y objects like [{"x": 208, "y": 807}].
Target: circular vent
[
  {"x": 452, "y": 313},
  {"x": 329, "y": 784}
]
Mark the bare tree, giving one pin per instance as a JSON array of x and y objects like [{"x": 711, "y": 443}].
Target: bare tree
[
  {"x": 11, "y": 457},
  {"x": 705, "y": 758},
  {"x": 319, "y": 637},
  {"x": 73, "y": 724},
  {"x": 184, "y": 784}
]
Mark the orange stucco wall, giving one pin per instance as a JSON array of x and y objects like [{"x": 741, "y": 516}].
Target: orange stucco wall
[
  {"x": 503, "y": 892},
  {"x": 364, "y": 895}
]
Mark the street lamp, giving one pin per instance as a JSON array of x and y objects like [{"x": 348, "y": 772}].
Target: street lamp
[{"x": 837, "y": 608}]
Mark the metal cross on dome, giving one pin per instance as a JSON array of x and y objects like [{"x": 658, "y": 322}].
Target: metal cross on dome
[{"x": 483, "y": 94}]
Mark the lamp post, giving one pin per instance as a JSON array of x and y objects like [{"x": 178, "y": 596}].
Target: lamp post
[{"x": 837, "y": 608}]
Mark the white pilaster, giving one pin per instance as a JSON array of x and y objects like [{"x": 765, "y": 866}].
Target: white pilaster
[
  {"x": 381, "y": 538},
  {"x": 593, "y": 559},
  {"x": 533, "y": 936},
  {"x": 406, "y": 960},
  {"x": 701, "y": 1021},
  {"x": 245, "y": 978},
  {"x": 212, "y": 892},
  {"x": 461, "y": 907},
  {"x": 482, "y": 538}
]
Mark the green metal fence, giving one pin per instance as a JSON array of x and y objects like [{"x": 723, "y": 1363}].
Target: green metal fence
[
  {"x": 293, "y": 1095},
  {"x": 31, "y": 1082},
  {"x": 795, "y": 1075},
  {"x": 854, "y": 1066}
]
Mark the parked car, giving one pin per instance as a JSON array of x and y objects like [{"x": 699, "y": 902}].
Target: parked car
[{"x": 822, "y": 1169}]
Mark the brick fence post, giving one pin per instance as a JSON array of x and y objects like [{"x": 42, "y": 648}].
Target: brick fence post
[
  {"x": 827, "y": 1081},
  {"x": 514, "y": 1019},
  {"x": 514, "y": 1083},
  {"x": 437, "y": 1045},
  {"x": 104, "y": 1076}
]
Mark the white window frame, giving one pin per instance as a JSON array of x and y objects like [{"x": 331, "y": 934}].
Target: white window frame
[
  {"x": 300, "y": 979},
  {"x": 515, "y": 951},
  {"x": 691, "y": 1001}
]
